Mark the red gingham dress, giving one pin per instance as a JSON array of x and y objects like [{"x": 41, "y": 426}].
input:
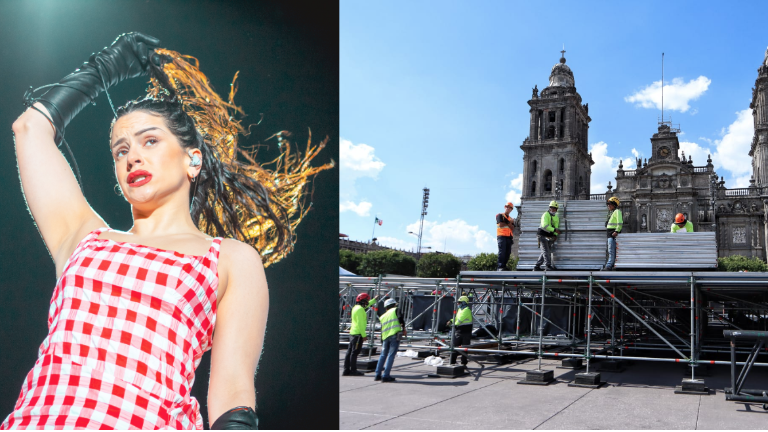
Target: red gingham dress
[{"x": 127, "y": 326}]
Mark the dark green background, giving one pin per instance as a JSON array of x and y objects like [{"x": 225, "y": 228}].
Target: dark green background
[{"x": 287, "y": 55}]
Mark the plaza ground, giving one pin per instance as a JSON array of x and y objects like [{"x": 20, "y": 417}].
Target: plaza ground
[{"x": 641, "y": 397}]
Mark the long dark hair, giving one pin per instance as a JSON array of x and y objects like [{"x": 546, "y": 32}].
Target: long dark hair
[{"x": 242, "y": 199}]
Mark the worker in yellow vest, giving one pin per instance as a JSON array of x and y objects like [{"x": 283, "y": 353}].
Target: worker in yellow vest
[
  {"x": 613, "y": 227},
  {"x": 462, "y": 328},
  {"x": 504, "y": 227},
  {"x": 681, "y": 224},
  {"x": 547, "y": 234},
  {"x": 357, "y": 333},
  {"x": 392, "y": 330}
]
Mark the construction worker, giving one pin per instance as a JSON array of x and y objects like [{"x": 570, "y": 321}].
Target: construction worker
[
  {"x": 548, "y": 231},
  {"x": 613, "y": 228},
  {"x": 504, "y": 227},
  {"x": 681, "y": 224},
  {"x": 357, "y": 333},
  {"x": 462, "y": 330},
  {"x": 392, "y": 330}
]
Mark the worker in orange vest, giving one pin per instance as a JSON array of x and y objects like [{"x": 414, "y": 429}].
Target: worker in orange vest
[{"x": 504, "y": 227}]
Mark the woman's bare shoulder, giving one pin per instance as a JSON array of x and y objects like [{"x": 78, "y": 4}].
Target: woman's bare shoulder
[{"x": 239, "y": 265}]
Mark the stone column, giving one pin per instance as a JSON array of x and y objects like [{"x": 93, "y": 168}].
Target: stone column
[{"x": 557, "y": 124}]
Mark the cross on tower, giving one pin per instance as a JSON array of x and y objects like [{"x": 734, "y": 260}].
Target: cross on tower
[{"x": 563, "y": 52}]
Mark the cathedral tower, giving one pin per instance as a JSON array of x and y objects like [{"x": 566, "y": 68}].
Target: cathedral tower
[
  {"x": 759, "y": 105},
  {"x": 555, "y": 154}
]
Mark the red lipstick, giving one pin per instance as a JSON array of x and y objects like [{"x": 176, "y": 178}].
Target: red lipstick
[{"x": 145, "y": 178}]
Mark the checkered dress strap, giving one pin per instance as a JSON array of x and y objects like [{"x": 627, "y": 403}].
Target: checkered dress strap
[{"x": 127, "y": 327}]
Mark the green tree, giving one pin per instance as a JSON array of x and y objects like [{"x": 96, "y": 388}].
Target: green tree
[
  {"x": 488, "y": 261},
  {"x": 438, "y": 265},
  {"x": 349, "y": 260},
  {"x": 737, "y": 263},
  {"x": 386, "y": 262}
]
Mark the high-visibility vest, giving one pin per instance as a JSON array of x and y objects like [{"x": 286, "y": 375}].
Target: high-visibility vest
[
  {"x": 359, "y": 319},
  {"x": 390, "y": 324},
  {"x": 615, "y": 221},
  {"x": 687, "y": 228},
  {"x": 504, "y": 232},
  {"x": 550, "y": 222},
  {"x": 463, "y": 317}
]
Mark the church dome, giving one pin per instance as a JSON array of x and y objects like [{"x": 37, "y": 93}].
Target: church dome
[{"x": 561, "y": 75}]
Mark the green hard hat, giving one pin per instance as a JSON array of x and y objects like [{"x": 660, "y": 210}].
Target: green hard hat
[
  {"x": 464, "y": 299},
  {"x": 554, "y": 204}
]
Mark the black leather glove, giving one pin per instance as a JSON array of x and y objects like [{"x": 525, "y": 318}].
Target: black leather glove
[
  {"x": 128, "y": 57},
  {"x": 239, "y": 418}
]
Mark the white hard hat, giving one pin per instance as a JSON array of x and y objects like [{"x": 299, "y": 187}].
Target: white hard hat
[{"x": 389, "y": 303}]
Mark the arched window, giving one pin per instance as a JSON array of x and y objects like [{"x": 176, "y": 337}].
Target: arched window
[
  {"x": 547, "y": 181},
  {"x": 534, "y": 165},
  {"x": 533, "y": 188},
  {"x": 562, "y": 166},
  {"x": 551, "y": 132}
]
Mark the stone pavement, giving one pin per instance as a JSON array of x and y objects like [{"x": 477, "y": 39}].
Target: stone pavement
[{"x": 641, "y": 397}]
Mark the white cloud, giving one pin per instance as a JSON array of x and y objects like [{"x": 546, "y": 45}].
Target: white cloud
[
  {"x": 698, "y": 153},
  {"x": 515, "y": 190},
  {"x": 457, "y": 236},
  {"x": 356, "y": 161},
  {"x": 733, "y": 149},
  {"x": 361, "y": 209},
  {"x": 739, "y": 182},
  {"x": 604, "y": 169},
  {"x": 635, "y": 153},
  {"x": 677, "y": 95}
]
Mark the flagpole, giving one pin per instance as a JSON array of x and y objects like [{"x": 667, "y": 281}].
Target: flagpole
[{"x": 375, "y": 221}]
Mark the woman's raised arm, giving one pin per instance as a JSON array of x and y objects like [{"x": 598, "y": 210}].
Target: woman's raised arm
[{"x": 53, "y": 196}]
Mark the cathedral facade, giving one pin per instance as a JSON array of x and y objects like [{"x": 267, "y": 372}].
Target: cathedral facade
[{"x": 557, "y": 164}]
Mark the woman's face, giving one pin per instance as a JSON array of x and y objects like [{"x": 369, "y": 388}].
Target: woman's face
[{"x": 150, "y": 165}]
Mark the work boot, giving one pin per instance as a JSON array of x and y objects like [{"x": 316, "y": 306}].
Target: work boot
[
  {"x": 606, "y": 268},
  {"x": 378, "y": 378},
  {"x": 537, "y": 268},
  {"x": 345, "y": 373},
  {"x": 387, "y": 379},
  {"x": 550, "y": 268},
  {"x": 356, "y": 373}
]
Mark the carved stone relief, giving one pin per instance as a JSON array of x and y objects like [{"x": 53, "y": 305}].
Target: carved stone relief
[
  {"x": 663, "y": 219},
  {"x": 739, "y": 235}
]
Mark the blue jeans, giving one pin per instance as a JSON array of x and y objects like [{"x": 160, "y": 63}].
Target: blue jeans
[
  {"x": 505, "y": 250},
  {"x": 611, "y": 252},
  {"x": 388, "y": 353}
]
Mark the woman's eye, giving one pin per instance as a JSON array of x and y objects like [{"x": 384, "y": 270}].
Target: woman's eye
[
  {"x": 120, "y": 153},
  {"x": 151, "y": 141}
]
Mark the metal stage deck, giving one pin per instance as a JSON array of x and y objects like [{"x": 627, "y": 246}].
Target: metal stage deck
[{"x": 611, "y": 317}]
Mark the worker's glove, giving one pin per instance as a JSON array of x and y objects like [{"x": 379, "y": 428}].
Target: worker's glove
[
  {"x": 239, "y": 418},
  {"x": 128, "y": 57}
]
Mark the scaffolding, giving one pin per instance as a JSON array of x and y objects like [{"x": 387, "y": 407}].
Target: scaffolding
[{"x": 657, "y": 316}]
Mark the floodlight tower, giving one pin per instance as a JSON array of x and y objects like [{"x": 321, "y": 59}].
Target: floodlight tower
[{"x": 424, "y": 204}]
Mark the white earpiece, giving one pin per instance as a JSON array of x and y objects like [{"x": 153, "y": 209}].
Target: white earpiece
[{"x": 195, "y": 160}]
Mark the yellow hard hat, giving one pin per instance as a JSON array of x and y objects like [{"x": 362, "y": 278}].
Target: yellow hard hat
[
  {"x": 464, "y": 299},
  {"x": 554, "y": 204},
  {"x": 615, "y": 201}
]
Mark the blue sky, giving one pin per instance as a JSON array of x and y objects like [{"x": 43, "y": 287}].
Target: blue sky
[{"x": 434, "y": 93}]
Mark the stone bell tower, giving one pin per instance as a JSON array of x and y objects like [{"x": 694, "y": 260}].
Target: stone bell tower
[
  {"x": 759, "y": 105},
  {"x": 555, "y": 153}
]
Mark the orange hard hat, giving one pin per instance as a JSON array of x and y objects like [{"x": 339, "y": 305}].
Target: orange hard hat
[
  {"x": 509, "y": 204},
  {"x": 679, "y": 218}
]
